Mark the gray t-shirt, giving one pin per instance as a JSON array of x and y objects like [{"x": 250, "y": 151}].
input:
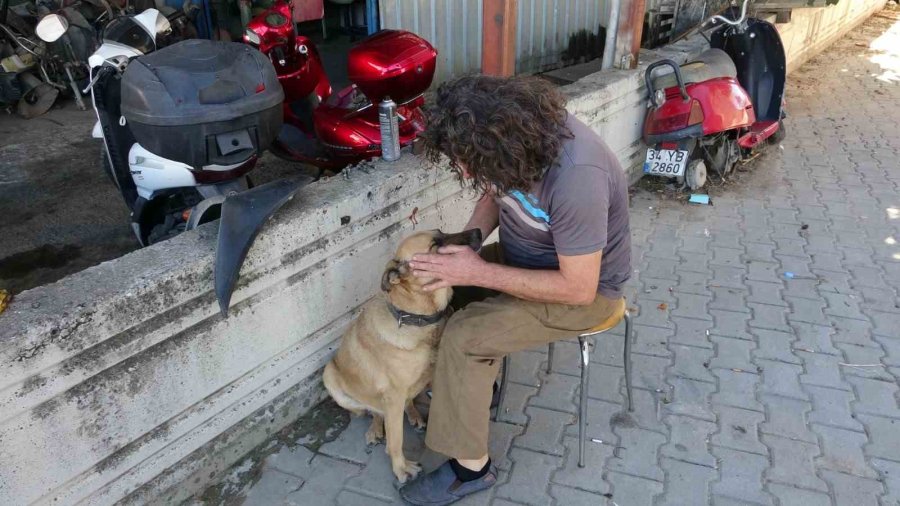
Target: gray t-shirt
[{"x": 579, "y": 207}]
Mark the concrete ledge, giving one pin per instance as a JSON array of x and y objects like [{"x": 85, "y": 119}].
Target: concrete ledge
[{"x": 122, "y": 382}]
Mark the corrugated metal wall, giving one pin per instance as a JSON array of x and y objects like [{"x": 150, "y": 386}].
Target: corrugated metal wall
[
  {"x": 550, "y": 32},
  {"x": 553, "y": 33}
]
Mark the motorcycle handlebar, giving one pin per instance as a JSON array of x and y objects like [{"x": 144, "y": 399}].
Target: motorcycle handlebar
[
  {"x": 100, "y": 73},
  {"x": 730, "y": 22}
]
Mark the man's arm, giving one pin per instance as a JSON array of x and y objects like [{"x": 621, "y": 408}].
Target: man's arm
[
  {"x": 486, "y": 215},
  {"x": 574, "y": 283}
]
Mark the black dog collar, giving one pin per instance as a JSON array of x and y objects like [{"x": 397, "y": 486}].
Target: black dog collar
[{"x": 417, "y": 320}]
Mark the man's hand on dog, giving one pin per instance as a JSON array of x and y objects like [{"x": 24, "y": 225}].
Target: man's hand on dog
[{"x": 452, "y": 266}]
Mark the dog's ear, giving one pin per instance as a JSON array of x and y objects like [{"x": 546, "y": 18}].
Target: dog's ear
[{"x": 393, "y": 272}]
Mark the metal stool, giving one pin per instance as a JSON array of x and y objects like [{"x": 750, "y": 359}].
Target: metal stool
[{"x": 621, "y": 313}]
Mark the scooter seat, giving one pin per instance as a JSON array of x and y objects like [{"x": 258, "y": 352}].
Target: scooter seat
[{"x": 710, "y": 64}]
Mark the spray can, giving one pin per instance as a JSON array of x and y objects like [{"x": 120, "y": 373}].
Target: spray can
[{"x": 390, "y": 133}]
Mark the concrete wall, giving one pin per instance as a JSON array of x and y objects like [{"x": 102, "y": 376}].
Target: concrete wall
[{"x": 122, "y": 382}]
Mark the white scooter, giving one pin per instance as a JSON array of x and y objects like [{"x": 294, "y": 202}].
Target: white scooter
[
  {"x": 181, "y": 127},
  {"x": 166, "y": 196}
]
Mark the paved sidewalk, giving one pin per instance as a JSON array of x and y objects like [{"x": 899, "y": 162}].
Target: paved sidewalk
[{"x": 767, "y": 351}]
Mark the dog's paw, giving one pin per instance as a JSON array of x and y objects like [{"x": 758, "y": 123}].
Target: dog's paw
[
  {"x": 373, "y": 437},
  {"x": 406, "y": 470}
]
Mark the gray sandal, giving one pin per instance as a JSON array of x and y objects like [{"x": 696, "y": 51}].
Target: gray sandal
[{"x": 441, "y": 487}]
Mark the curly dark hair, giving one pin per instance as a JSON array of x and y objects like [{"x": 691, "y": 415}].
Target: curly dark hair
[{"x": 505, "y": 131}]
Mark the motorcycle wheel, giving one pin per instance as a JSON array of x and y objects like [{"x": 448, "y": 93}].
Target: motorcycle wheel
[{"x": 695, "y": 174}]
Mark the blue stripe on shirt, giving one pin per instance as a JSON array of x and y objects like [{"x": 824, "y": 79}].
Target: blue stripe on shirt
[{"x": 533, "y": 210}]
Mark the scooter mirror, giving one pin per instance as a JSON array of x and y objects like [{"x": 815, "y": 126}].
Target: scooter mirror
[{"x": 51, "y": 27}]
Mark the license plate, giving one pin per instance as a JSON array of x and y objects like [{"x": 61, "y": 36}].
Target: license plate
[{"x": 665, "y": 162}]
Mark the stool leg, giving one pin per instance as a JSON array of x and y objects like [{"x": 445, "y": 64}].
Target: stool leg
[
  {"x": 582, "y": 402},
  {"x": 549, "y": 357},
  {"x": 627, "y": 359},
  {"x": 504, "y": 376}
]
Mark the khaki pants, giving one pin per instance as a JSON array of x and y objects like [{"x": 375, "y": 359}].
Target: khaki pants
[{"x": 475, "y": 340}]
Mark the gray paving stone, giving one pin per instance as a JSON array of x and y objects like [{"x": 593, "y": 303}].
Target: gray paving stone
[
  {"x": 865, "y": 362},
  {"x": 842, "y": 452},
  {"x": 524, "y": 366},
  {"x": 878, "y": 299},
  {"x": 325, "y": 481},
  {"x": 781, "y": 379},
  {"x": 740, "y": 476},
  {"x": 638, "y": 453},
  {"x": 557, "y": 391},
  {"x": 726, "y": 256},
  {"x": 883, "y": 440},
  {"x": 377, "y": 479},
  {"x": 786, "y": 417},
  {"x": 690, "y": 398},
  {"x": 792, "y": 463},
  {"x": 296, "y": 461},
  {"x": 350, "y": 444},
  {"x": 651, "y": 341},
  {"x": 768, "y": 317},
  {"x": 692, "y": 281},
  {"x": 500, "y": 441},
  {"x": 847, "y": 330},
  {"x": 763, "y": 271},
  {"x": 575, "y": 497},
  {"x": 692, "y": 332},
  {"x": 544, "y": 431},
  {"x": 689, "y": 440},
  {"x": 892, "y": 346},
  {"x": 738, "y": 389},
  {"x": 832, "y": 408},
  {"x": 774, "y": 345},
  {"x": 598, "y": 420},
  {"x": 792, "y": 496},
  {"x": 813, "y": 337},
  {"x": 273, "y": 488},
  {"x": 732, "y": 353},
  {"x": 764, "y": 292},
  {"x": 589, "y": 477},
  {"x": 802, "y": 288},
  {"x": 686, "y": 483},
  {"x": 648, "y": 372},
  {"x": 693, "y": 263},
  {"x": 692, "y": 363},
  {"x": 885, "y": 323},
  {"x": 349, "y": 498},
  {"x": 807, "y": 310},
  {"x": 692, "y": 306},
  {"x": 631, "y": 490},
  {"x": 660, "y": 268},
  {"x": 853, "y": 490},
  {"x": 658, "y": 289},
  {"x": 760, "y": 252},
  {"x": 730, "y": 324},
  {"x": 514, "y": 405},
  {"x": 875, "y": 397},
  {"x": 729, "y": 277},
  {"x": 530, "y": 476},
  {"x": 739, "y": 430},
  {"x": 890, "y": 476},
  {"x": 729, "y": 299},
  {"x": 653, "y": 313},
  {"x": 822, "y": 370}
]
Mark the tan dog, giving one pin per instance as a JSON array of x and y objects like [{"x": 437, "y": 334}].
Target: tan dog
[{"x": 387, "y": 356}]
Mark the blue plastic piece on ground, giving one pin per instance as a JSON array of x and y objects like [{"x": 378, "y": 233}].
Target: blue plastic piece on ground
[
  {"x": 698, "y": 198},
  {"x": 789, "y": 275}
]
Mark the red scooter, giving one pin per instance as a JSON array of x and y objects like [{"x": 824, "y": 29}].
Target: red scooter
[
  {"x": 711, "y": 112},
  {"x": 332, "y": 130}
]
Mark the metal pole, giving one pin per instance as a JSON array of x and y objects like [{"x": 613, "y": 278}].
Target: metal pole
[{"x": 612, "y": 28}]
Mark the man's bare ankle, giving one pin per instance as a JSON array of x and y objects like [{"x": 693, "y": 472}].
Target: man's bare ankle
[{"x": 473, "y": 464}]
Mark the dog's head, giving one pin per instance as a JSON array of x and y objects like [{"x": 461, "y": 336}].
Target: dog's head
[{"x": 397, "y": 271}]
